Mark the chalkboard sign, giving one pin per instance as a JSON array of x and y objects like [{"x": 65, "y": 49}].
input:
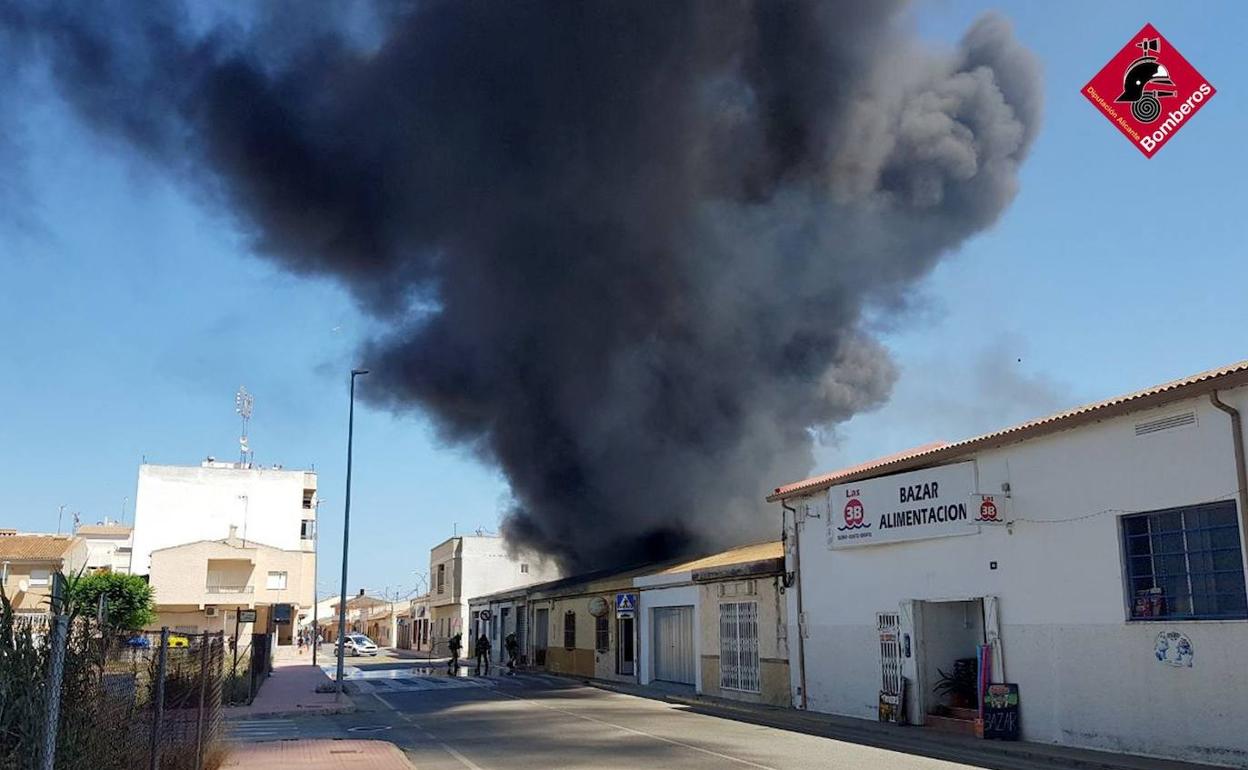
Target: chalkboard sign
[{"x": 1001, "y": 712}]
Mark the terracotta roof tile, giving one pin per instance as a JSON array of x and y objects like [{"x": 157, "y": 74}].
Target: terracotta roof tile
[
  {"x": 1232, "y": 375},
  {"x": 35, "y": 547}
]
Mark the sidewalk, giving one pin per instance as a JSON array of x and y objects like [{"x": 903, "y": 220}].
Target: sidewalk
[
  {"x": 910, "y": 740},
  {"x": 291, "y": 689},
  {"x": 319, "y": 754}
]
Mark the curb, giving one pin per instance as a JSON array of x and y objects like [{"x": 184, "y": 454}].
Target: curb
[
  {"x": 290, "y": 712},
  {"x": 896, "y": 738}
]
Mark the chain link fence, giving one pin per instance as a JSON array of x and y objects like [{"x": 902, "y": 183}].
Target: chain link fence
[{"x": 128, "y": 701}]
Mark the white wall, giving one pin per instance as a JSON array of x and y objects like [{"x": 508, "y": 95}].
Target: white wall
[
  {"x": 1087, "y": 676},
  {"x": 679, "y": 596},
  {"x": 176, "y": 505}
]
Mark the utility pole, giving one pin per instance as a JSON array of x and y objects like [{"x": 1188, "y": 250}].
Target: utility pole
[
  {"x": 316, "y": 555},
  {"x": 346, "y": 534}
]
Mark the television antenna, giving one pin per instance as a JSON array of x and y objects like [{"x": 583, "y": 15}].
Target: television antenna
[{"x": 243, "y": 402}]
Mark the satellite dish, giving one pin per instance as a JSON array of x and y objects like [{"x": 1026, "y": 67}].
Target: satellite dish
[{"x": 23, "y": 585}]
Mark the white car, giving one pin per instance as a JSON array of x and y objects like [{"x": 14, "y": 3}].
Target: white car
[{"x": 358, "y": 644}]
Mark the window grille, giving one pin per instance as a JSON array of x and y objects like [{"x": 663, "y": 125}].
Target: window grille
[
  {"x": 738, "y": 646},
  {"x": 1185, "y": 564},
  {"x": 569, "y": 631}
]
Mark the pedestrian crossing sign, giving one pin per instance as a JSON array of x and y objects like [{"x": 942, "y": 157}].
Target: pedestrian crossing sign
[{"x": 625, "y": 605}]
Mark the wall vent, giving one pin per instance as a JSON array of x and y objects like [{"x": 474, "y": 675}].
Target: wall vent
[{"x": 1168, "y": 422}]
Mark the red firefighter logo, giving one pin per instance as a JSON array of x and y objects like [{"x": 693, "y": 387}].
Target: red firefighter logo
[{"x": 1145, "y": 82}]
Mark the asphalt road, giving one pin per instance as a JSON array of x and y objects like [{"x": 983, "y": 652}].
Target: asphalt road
[{"x": 532, "y": 723}]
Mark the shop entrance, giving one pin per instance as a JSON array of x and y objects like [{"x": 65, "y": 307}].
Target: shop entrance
[
  {"x": 948, "y": 635},
  {"x": 541, "y": 632},
  {"x": 624, "y": 647}
]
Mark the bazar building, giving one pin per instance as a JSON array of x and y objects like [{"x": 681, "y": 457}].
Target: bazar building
[
  {"x": 716, "y": 625},
  {"x": 1093, "y": 559}
]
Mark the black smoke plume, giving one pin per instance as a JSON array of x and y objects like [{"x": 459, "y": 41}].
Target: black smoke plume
[{"x": 624, "y": 250}]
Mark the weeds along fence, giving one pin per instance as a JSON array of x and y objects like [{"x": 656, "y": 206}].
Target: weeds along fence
[{"x": 129, "y": 701}]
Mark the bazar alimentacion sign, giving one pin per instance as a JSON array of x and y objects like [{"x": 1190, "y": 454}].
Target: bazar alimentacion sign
[{"x": 935, "y": 502}]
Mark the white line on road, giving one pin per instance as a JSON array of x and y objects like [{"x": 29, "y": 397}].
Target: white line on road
[
  {"x": 465, "y": 761},
  {"x": 641, "y": 732}
]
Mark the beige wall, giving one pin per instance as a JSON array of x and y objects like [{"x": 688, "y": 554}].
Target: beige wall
[
  {"x": 183, "y": 575},
  {"x": 584, "y": 660},
  {"x": 773, "y": 649},
  {"x": 36, "y": 597}
]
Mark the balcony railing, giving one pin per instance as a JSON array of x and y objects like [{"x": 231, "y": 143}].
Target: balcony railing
[{"x": 224, "y": 589}]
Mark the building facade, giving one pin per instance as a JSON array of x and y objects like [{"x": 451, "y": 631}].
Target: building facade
[
  {"x": 108, "y": 546},
  {"x": 715, "y": 625},
  {"x": 1094, "y": 559},
  {"x": 472, "y": 565},
  {"x": 28, "y": 563},
  {"x": 202, "y": 586},
  {"x": 176, "y": 504}
]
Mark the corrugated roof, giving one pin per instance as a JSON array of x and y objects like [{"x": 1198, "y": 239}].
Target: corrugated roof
[
  {"x": 741, "y": 555},
  {"x": 104, "y": 530},
  {"x": 1232, "y": 375},
  {"x": 36, "y": 547}
]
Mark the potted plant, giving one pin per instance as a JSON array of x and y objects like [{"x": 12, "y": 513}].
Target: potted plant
[{"x": 961, "y": 685}]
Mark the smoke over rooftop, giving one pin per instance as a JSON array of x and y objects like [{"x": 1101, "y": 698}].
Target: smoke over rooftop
[{"x": 623, "y": 250}]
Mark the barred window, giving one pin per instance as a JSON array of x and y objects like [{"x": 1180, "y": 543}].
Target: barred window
[
  {"x": 1185, "y": 563},
  {"x": 738, "y": 646},
  {"x": 602, "y": 634},
  {"x": 569, "y": 631}
]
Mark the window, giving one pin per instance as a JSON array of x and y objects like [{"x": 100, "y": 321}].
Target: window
[
  {"x": 307, "y": 529},
  {"x": 40, "y": 577},
  {"x": 524, "y": 569},
  {"x": 1185, "y": 564},
  {"x": 569, "y": 631},
  {"x": 441, "y": 578},
  {"x": 276, "y": 581},
  {"x": 602, "y": 634},
  {"x": 738, "y": 646},
  {"x": 308, "y": 494}
]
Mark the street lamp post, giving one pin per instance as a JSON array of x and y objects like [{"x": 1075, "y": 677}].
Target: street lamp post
[
  {"x": 316, "y": 555},
  {"x": 346, "y": 532}
]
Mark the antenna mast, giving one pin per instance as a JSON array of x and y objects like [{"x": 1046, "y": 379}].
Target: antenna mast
[{"x": 242, "y": 404}]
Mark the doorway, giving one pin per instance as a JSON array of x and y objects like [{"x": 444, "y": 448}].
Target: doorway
[
  {"x": 949, "y": 635},
  {"x": 541, "y": 635},
  {"x": 625, "y": 657},
  {"x": 673, "y": 645}
]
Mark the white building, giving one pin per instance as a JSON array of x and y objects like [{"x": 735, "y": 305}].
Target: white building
[
  {"x": 177, "y": 504},
  {"x": 474, "y": 565},
  {"x": 1096, "y": 553},
  {"x": 108, "y": 545}
]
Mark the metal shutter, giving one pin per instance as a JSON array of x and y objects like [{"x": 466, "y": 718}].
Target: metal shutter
[{"x": 673, "y": 645}]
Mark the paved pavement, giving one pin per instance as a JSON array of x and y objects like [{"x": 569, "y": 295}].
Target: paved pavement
[{"x": 320, "y": 754}]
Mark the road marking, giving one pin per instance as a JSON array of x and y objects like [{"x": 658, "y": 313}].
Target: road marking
[
  {"x": 672, "y": 741},
  {"x": 465, "y": 761}
]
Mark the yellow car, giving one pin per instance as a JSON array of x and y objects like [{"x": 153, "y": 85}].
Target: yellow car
[{"x": 178, "y": 641}]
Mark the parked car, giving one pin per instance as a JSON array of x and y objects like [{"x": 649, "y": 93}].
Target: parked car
[{"x": 358, "y": 644}]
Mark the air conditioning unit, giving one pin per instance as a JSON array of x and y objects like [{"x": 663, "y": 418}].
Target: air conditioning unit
[{"x": 210, "y": 612}]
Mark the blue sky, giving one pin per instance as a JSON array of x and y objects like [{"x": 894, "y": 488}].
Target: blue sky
[{"x": 131, "y": 313}]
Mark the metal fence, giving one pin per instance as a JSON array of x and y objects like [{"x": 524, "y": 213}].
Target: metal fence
[{"x": 126, "y": 701}]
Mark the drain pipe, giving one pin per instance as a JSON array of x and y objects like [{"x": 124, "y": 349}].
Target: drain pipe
[
  {"x": 801, "y": 630},
  {"x": 1241, "y": 471}
]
